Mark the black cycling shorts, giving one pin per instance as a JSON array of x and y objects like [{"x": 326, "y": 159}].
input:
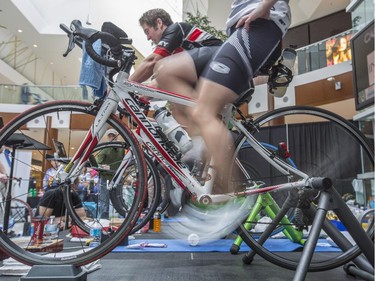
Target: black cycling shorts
[
  {"x": 202, "y": 56},
  {"x": 239, "y": 59}
]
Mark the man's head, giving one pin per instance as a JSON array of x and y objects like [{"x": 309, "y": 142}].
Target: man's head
[
  {"x": 54, "y": 163},
  {"x": 154, "y": 22}
]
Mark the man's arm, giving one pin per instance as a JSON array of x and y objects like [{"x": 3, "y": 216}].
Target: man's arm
[
  {"x": 2, "y": 168},
  {"x": 3, "y": 174},
  {"x": 80, "y": 212},
  {"x": 146, "y": 68},
  {"x": 44, "y": 211}
]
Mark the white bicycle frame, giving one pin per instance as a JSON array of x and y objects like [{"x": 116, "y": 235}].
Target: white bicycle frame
[{"x": 152, "y": 141}]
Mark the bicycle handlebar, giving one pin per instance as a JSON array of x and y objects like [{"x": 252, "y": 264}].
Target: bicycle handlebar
[{"x": 78, "y": 34}]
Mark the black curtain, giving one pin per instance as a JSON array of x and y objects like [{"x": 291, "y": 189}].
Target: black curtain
[{"x": 319, "y": 149}]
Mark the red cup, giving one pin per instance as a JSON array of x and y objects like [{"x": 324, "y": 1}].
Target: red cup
[{"x": 39, "y": 223}]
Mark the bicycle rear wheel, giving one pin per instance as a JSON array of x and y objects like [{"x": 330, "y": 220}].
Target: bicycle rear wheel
[
  {"x": 58, "y": 120},
  {"x": 314, "y": 148}
]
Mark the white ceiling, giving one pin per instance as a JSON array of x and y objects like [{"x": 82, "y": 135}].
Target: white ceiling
[{"x": 40, "y": 19}]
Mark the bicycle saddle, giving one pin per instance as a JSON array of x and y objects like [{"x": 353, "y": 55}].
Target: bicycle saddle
[
  {"x": 246, "y": 96},
  {"x": 116, "y": 31}
]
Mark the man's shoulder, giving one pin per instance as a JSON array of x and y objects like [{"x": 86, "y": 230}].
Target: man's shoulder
[
  {"x": 173, "y": 28},
  {"x": 50, "y": 195},
  {"x": 53, "y": 192}
]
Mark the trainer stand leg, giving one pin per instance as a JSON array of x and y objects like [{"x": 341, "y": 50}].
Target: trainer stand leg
[
  {"x": 354, "y": 228},
  {"x": 340, "y": 240},
  {"x": 365, "y": 267},
  {"x": 290, "y": 202},
  {"x": 312, "y": 240},
  {"x": 351, "y": 269},
  {"x": 55, "y": 272},
  {"x": 331, "y": 200}
]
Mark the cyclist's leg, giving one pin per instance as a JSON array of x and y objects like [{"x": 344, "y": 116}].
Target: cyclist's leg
[
  {"x": 225, "y": 78},
  {"x": 179, "y": 74},
  {"x": 171, "y": 77}
]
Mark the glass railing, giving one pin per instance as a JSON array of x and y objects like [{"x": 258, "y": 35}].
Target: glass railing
[
  {"x": 27, "y": 94},
  {"x": 330, "y": 51},
  {"x": 321, "y": 54}
]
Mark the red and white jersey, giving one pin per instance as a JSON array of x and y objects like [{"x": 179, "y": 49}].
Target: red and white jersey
[{"x": 183, "y": 36}]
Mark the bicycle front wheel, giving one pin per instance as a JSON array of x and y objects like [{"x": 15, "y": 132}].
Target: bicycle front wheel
[
  {"x": 324, "y": 145},
  {"x": 30, "y": 135}
]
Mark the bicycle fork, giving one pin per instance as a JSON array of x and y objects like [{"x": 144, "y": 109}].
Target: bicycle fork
[{"x": 96, "y": 132}]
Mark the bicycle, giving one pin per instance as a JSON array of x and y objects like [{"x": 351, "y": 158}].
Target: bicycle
[{"x": 124, "y": 91}]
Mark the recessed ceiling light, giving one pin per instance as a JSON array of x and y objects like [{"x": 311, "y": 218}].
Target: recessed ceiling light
[
  {"x": 19, "y": 30},
  {"x": 35, "y": 46},
  {"x": 51, "y": 62}
]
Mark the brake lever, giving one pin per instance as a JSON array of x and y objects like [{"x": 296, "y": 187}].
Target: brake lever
[
  {"x": 70, "y": 35},
  {"x": 71, "y": 45}
]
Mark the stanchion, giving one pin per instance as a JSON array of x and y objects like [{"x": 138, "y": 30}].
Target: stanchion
[
  {"x": 55, "y": 273},
  {"x": 353, "y": 270}
]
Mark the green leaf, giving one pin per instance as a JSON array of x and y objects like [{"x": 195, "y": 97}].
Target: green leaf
[{"x": 203, "y": 22}]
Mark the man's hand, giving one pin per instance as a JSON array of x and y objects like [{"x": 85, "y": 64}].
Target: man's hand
[
  {"x": 262, "y": 11},
  {"x": 3, "y": 178}
]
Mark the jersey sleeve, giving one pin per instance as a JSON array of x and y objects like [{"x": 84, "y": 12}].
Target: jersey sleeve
[
  {"x": 48, "y": 200},
  {"x": 77, "y": 203},
  {"x": 170, "y": 41}
]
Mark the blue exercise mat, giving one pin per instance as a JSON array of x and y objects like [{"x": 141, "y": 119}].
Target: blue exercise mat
[{"x": 222, "y": 245}]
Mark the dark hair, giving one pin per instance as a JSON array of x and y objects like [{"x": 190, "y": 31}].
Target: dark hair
[{"x": 149, "y": 17}]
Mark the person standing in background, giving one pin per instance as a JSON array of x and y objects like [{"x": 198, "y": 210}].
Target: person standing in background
[
  {"x": 48, "y": 179},
  {"x": 109, "y": 159}
]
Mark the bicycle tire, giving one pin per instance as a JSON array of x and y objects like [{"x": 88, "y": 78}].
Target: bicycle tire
[
  {"x": 356, "y": 139},
  {"x": 42, "y": 114}
]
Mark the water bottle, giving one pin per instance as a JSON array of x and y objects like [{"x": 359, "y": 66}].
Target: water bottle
[
  {"x": 95, "y": 234},
  {"x": 282, "y": 73},
  {"x": 50, "y": 230},
  {"x": 31, "y": 230},
  {"x": 172, "y": 129},
  {"x": 157, "y": 220}
]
